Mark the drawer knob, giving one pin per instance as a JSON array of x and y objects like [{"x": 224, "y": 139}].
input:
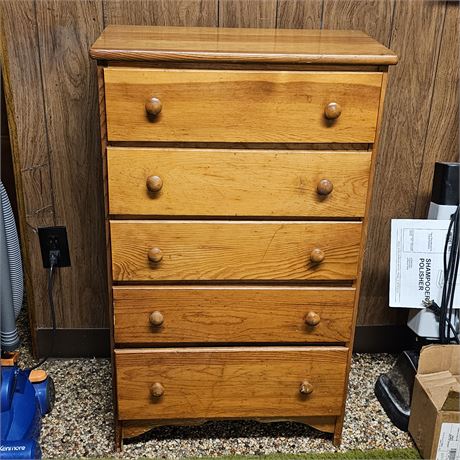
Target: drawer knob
[
  {"x": 332, "y": 111},
  {"x": 157, "y": 390},
  {"x": 155, "y": 255},
  {"x": 324, "y": 187},
  {"x": 153, "y": 106},
  {"x": 154, "y": 183},
  {"x": 312, "y": 319},
  {"x": 156, "y": 318},
  {"x": 306, "y": 387},
  {"x": 317, "y": 256}
]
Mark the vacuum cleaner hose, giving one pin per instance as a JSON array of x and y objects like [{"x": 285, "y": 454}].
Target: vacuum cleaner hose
[{"x": 11, "y": 275}]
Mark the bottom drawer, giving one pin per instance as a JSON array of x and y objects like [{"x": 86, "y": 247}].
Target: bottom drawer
[{"x": 240, "y": 382}]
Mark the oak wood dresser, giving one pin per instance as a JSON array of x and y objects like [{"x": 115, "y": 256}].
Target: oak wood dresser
[{"x": 238, "y": 167}]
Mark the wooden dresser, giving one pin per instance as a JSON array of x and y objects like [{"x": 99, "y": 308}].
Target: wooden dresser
[{"x": 238, "y": 167}]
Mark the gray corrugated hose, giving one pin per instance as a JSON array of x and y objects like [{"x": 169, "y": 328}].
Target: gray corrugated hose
[{"x": 11, "y": 276}]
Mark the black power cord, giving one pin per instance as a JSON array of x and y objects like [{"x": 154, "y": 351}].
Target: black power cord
[
  {"x": 444, "y": 311},
  {"x": 436, "y": 309},
  {"x": 53, "y": 258},
  {"x": 452, "y": 268}
]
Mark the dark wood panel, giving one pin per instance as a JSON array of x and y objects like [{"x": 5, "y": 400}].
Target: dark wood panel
[
  {"x": 247, "y": 13},
  {"x": 19, "y": 45},
  {"x": 3, "y": 116},
  {"x": 371, "y": 16},
  {"x": 66, "y": 30},
  {"x": 138, "y": 12},
  {"x": 299, "y": 14},
  {"x": 406, "y": 114},
  {"x": 27, "y": 126},
  {"x": 74, "y": 343},
  {"x": 442, "y": 137},
  {"x": 161, "y": 12},
  {"x": 384, "y": 339}
]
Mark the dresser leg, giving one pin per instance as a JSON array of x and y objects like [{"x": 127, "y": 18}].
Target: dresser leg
[
  {"x": 337, "y": 439},
  {"x": 118, "y": 437}
]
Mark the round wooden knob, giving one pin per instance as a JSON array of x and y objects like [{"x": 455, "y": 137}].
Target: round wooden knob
[
  {"x": 154, "y": 183},
  {"x": 156, "y": 318},
  {"x": 312, "y": 319},
  {"x": 155, "y": 255},
  {"x": 332, "y": 111},
  {"x": 306, "y": 387},
  {"x": 157, "y": 390},
  {"x": 324, "y": 187},
  {"x": 153, "y": 106},
  {"x": 317, "y": 256}
]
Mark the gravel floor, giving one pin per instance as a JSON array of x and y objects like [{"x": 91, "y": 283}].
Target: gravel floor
[{"x": 81, "y": 423}]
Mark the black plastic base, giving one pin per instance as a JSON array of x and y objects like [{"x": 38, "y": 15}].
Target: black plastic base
[{"x": 394, "y": 389}]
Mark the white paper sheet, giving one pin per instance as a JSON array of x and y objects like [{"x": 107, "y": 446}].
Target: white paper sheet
[{"x": 416, "y": 263}]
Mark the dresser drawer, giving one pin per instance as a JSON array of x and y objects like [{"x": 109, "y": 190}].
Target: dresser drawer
[
  {"x": 230, "y": 382},
  {"x": 199, "y": 314},
  {"x": 241, "y": 106},
  {"x": 216, "y": 250},
  {"x": 188, "y": 182}
]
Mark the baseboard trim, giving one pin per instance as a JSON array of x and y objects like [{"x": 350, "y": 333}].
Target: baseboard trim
[
  {"x": 85, "y": 343},
  {"x": 383, "y": 339},
  {"x": 74, "y": 343}
]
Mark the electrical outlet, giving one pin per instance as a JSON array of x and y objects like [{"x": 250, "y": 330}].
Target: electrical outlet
[{"x": 54, "y": 239}]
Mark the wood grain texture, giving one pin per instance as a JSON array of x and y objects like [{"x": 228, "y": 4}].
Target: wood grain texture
[
  {"x": 223, "y": 250},
  {"x": 299, "y": 14},
  {"x": 187, "y": 44},
  {"x": 73, "y": 132},
  {"x": 410, "y": 85},
  {"x": 108, "y": 251},
  {"x": 371, "y": 16},
  {"x": 23, "y": 91},
  {"x": 210, "y": 383},
  {"x": 241, "y": 106},
  {"x": 442, "y": 136},
  {"x": 237, "y": 182},
  {"x": 247, "y": 13},
  {"x": 231, "y": 314},
  {"x": 190, "y": 13}
]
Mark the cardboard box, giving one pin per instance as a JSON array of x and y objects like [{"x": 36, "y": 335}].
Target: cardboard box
[{"x": 434, "y": 422}]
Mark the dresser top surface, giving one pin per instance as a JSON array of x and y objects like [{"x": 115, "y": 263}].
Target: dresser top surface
[{"x": 207, "y": 44}]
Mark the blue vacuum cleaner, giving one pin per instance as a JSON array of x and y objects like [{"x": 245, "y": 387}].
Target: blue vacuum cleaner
[{"x": 26, "y": 394}]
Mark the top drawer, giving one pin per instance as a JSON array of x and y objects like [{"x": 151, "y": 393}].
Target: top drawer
[{"x": 241, "y": 106}]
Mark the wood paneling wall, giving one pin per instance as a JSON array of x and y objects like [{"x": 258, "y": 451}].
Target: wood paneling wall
[{"x": 51, "y": 91}]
